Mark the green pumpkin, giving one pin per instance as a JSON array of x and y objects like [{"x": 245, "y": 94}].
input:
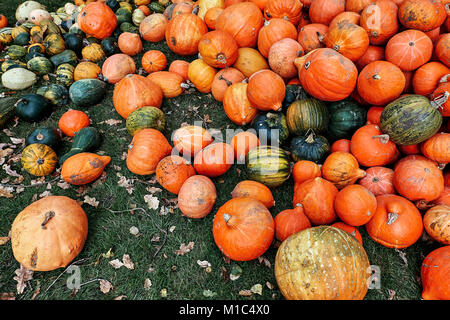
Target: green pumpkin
[
  {"x": 64, "y": 74},
  {"x": 410, "y": 119},
  {"x": 56, "y": 93},
  {"x": 10, "y": 64},
  {"x": 268, "y": 165},
  {"x": 346, "y": 116},
  {"x": 22, "y": 39},
  {"x": 128, "y": 27},
  {"x": 40, "y": 65},
  {"x": 86, "y": 139},
  {"x": 74, "y": 42},
  {"x": 123, "y": 15},
  {"x": 87, "y": 92},
  {"x": 16, "y": 52},
  {"x": 54, "y": 44},
  {"x": 305, "y": 114},
  {"x": 113, "y": 4},
  {"x": 156, "y": 7},
  {"x": 67, "y": 56},
  {"x": 271, "y": 127},
  {"x": 31, "y": 55},
  {"x": 293, "y": 92},
  {"x": 310, "y": 147},
  {"x": 145, "y": 117},
  {"x": 44, "y": 135},
  {"x": 7, "y": 110},
  {"x": 110, "y": 46},
  {"x": 33, "y": 107}
]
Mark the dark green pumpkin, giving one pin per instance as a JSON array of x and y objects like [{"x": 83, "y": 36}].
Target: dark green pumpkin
[
  {"x": 34, "y": 54},
  {"x": 268, "y": 165},
  {"x": 123, "y": 15},
  {"x": 310, "y": 147},
  {"x": 128, "y": 27},
  {"x": 64, "y": 74},
  {"x": 7, "y": 110},
  {"x": 33, "y": 107},
  {"x": 410, "y": 120},
  {"x": 67, "y": 56},
  {"x": 45, "y": 135},
  {"x": 87, "y": 92},
  {"x": 293, "y": 92},
  {"x": 86, "y": 139},
  {"x": 110, "y": 46},
  {"x": 271, "y": 127},
  {"x": 305, "y": 114},
  {"x": 74, "y": 42},
  {"x": 16, "y": 52},
  {"x": 57, "y": 94},
  {"x": 22, "y": 39},
  {"x": 113, "y": 4},
  {"x": 145, "y": 117},
  {"x": 346, "y": 116},
  {"x": 40, "y": 65},
  {"x": 156, "y": 7}
]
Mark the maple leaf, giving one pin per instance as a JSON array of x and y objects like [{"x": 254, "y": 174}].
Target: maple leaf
[{"x": 22, "y": 276}]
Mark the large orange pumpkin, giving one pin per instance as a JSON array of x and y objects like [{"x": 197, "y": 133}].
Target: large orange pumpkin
[
  {"x": 348, "y": 39},
  {"x": 237, "y": 106},
  {"x": 172, "y": 171},
  {"x": 437, "y": 148},
  {"x": 379, "y": 180},
  {"x": 436, "y": 222},
  {"x": 379, "y": 19},
  {"x": 97, "y": 20},
  {"x": 197, "y": 197},
  {"x": 218, "y": 49},
  {"x": 266, "y": 90},
  {"x": 83, "y": 168},
  {"x": 423, "y": 15},
  {"x": 272, "y": 31},
  {"x": 434, "y": 274},
  {"x": 397, "y": 222},
  {"x": 49, "y": 233},
  {"x": 290, "y": 221},
  {"x": 427, "y": 77},
  {"x": 183, "y": 33},
  {"x": 189, "y": 140},
  {"x": 117, "y": 66},
  {"x": 341, "y": 169},
  {"x": 214, "y": 160},
  {"x": 153, "y": 27},
  {"x": 255, "y": 190},
  {"x": 135, "y": 91},
  {"x": 148, "y": 147},
  {"x": 243, "y": 229},
  {"x": 355, "y": 205},
  {"x": 442, "y": 48}
]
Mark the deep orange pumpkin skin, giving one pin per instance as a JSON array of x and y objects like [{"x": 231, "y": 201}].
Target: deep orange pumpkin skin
[
  {"x": 427, "y": 77},
  {"x": 272, "y": 31},
  {"x": 172, "y": 171},
  {"x": 355, "y": 205},
  {"x": 153, "y": 27},
  {"x": 373, "y": 53},
  {"x": 49, "y": 233},
  {"x": 180, "y": 67},
  {"x": 84, "y": 168},
  {"x": 183, "y": 33},
  {"x": 224, "y": 79},
  {"x": 201, "y": 75},
  {"x": 242, "y": 143},
  {"x": 350, "y": 229},
  {"x": 379, "y": 180},
  {"x": 218, "y": 49},
  {"x": 311, "y": 36},
  {"x": 341, "y": 169},
  {"x": 243, "y": 229},
  {"x": 282, "y": 55},
  {"x": 304, "y": 170},
  {"x": 345, "y": 17},
  {"x": 379, "y": 19},
  {"x": 266, "y": 90},
  {"x": 72, "y": 121},
  {"x": 254, "y": 190},
  {"x": 171, "y": 84},
  {"x": 437, "y": 148},
  {"x": 441, "y": 96},
  {"x": 374, "y": 115},
  {"x": 153, "y": 61},
  {"x": 117, "y": 66},
  {"x": 397, "y": 222},
  {"x": 290, "y": 221},
  {"x": 214, "y": 160},
  {"x": 348, "y": 39},
  {"x": 423, "y": 15},
  {"x": 130, "y": 43},
  {"x": 323, "y": 11},
  {"x": 442, "y": 48},
  {"x": 342, "y": 145},
  {"x": 197, "y": 196},
  {"x": 189, "y": 140},
  {"x": 97, "y": 20},
  {"x": 434, "y": 274},
  {"x": 284, "y": 9}
]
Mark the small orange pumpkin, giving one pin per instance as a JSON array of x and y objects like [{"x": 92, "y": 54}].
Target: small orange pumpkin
[
  {"x": 437, "y": 148},
  {"x": 266, "y": 90},
  {"x": 282, "y": 55},
  {"x": 97, "y": 20},
  {"x": 427, "y": 77},
  {"x": 350, "y": 229},
  {"x": 379, "y": 180},
  {"x": 201, "y": 75},
  {"x": 197, "y": 196},
  {"x": 434, "y": 274},
  {"x": 436, "y": 222},
  {"x": 153, "y": 61},
  {"x": 183, "y": 33},
  {"x": 355, "y": 205},
  {"x": 172, "y": 171},
  {"x": 272, "y": 31},
  {"x": 218, "y": 49},
  {"x": 348, "y": 39},
  {"x": 171, "y": 84},
  {"x": 223, "y": 79},
  {"x": 242, "y": 143},
  {"x": 153, "y": 27},
  {"x": 341, "y": 169},
  {"x": 236, "y": 104},
  {"x": 117, "y": 66},
  {"x": 83, "y": 168},
  {"x": 304, "y": 170},
  {"x": 214, "y": 160},
  {"x": 73, "y": 121},
  {"x": 130, "y": 43},
  {"x": 180, "y": 67},
  {"x": 87, "y": 70},
  {"x": 189, "y": 140},
  {"x": 255, "y": 190},
  {"x": 290, "y": 221}
]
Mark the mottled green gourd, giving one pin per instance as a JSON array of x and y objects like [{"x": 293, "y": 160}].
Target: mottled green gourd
[
  {"x": 56, "y": 93},
  {"x": 87, "y": 92},
  {"x": 146, "y": 117},
  {"x": 40, "y": 65}
]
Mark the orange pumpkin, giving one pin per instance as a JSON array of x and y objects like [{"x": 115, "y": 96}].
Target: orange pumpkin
[
  {"x": 180, "y": 67},
  {"x": 183, "y": 33},
  {"x": 266, "y": 90},
  {"x": 135, "y": 91},
  {"x": 379, "y": 19},
  {"x": 87, "y": 70},
  {"x": 374, "y": 115},
  {"x": 397, "y": 223},
  {"x": 282, "y": 55},
  {"x": 356, "y": 5},
  {"x": 201, "y": 75},
  {"x": 304, "y": 170},
  {"x": 272, "y": 31},
  {"x": 153, "y": 27},
  {"x": 345, "y": 17},
  {"x": 236, "y": 104},
  {"x": 171, "y": 84},
  {"x": 423, "y": 15},
  {"x": 189, "y": 140},
  {"x": 341, "y": 169},
  {"x": 3, "y": 21},
  {"x": 130, "y": 43},
  {"x": 434, "y": 274},
  {"x": 243, "y": 229},
  {"x": 437, "y": 148},
  {"x": 49, "y": 233},
  {"x": 411, "y": 149},
  {"x": 440, "y": 98},
  {"x": 148, "y": 147},
  {"x": 73, "y": 121},
  {"x": 117, "y": 66},
  {"x": 97, "y": 20},
  {"x": 242, "y": 143},
  {"x": 409, "y": 49},
  {"x": 172, "y": 171},
  {"x": 255, "y": 190},
  {"x": 427, "y": 77},
  {"x": 214, "y": 160},
  {"x": 323, "y": 11},
  {"x": 380, "y": 82},
  {"x": 290, "y": 221},
  {"x": 311, "y": 36},
  {"x": 373, "y": 53},
  {"x": 218, "y": 49},
  {"x": 442, "y": 48},
  {"x": 348, "y": 39},
  {"x": 242, "y": 21},
  {"x": 223, "y": 79},
  {"x": 211, "y": 16},
  {"x": 145, "y": 10},
  {"x": 350, "y": 229},
  {"x": 317, "y": 198},
  {"x": 153, "y": 61},
  {"x": 436, "y": 222},
  {"x": 355, "y": 205},
  {"x": 250, "y": 61},
  {"x": 342, "y": 145},
  {"x": 379, "y": 180},
  {"x": 260, "y": 3},
  {"x": 83, "y": 168},
  {"x": 283, "y": 9},
  {"x": 197, "y": 197}
]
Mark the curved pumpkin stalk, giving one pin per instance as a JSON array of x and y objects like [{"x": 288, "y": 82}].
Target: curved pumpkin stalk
[
  {"x": 439, "y": 101},
  {"x": 384, "y": 138}
]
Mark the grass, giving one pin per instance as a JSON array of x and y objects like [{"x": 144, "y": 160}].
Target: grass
[{"x": 181, "y": 276}]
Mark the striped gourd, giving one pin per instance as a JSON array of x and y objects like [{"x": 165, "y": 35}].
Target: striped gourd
[
  {"x": 40, "y": 65},
  {"x": 305, "y": 114}
]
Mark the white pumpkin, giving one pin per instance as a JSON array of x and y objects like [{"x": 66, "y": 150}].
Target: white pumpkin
[
  {"x": 70, "y": 8},
  {"x": 23, "y": 10},
  {"x": 18, "y": 79},
  {"x": 37, "y": 15}
]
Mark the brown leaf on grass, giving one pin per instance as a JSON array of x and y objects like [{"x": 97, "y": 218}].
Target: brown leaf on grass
[
  {"x": 63, "y": 185},
  {"x": 127, "y": 262},
  {"x": 7, "y": 296},
  {"x": 4, "y": 240},
  {"x": 257, "y": 288},
  {"x": 265, "y": 261},
  {"x": 391, "y": 294},
  {"x": 124, "y": 156},
  {"x": 45, "y": 194},
  {"x": 105, "y": 286},
  {"x": 245, "y": 293},
  {"x": 5, "y": 192},
  {"x": 10, "y": 172},
  {"x": 125, "y": 183},
  {"x": 120, "y": 297},
  {"x": 22, "y": 276},
  {"x": 116, "y": 263},
  {"x": 402, "y": 255},
  {"x": 91, "y": 201},
  {"x": 153, "y": 190},
  {"x": 184, "y": 248},
  {"x": 17, "y": 140},
  {"x": 147, "y": 283},
  {"x": 111, "y": 122},
  {"x": 152, "y": 202},
  {"x": 36, "y": 292}
]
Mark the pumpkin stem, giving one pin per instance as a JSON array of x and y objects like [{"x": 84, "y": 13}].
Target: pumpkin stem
[
  {"x": 228, "y": 82},
  {"x": 310, "y": 136},
  {"x": 40, "y": 136},
  {"x": 226, "y": 217},
  {"x": 392, "y": 216},
  {"x": 423, "y": 205},
  {"x": 40, "y": 161},
  {"x": 336, "y": 47},
  {"x": 48, "y": 216},
  {"x": 222, "y": 58},
  {"x": 440, "y": 100},
  {"x": 384, "y": 138},
  {"x": 320, "y": 37}
]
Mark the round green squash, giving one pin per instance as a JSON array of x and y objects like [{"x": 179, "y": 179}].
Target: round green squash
[
  {"x": 74, "y": 42},
  {"x": 109, "y": 46},
  {"x": 271, "y": 127},
  {"x": 44, "y": 135},
  {"x": 306, "y": 114},
  {"x": 310, "y": 147},
  {"x": 268, "y": 165},
  {"x": 40, "y": 65},
  {"x": 16, "y": 52},
  {"x": 410, "y": 120},
  {"x": 57, "y": 94},
  {"x": 346, "y": 116},
  {"x": 87, "y": 92},
  {"x": 22, "y": 39},
  {"x": 67, "y": 56},
  {"x": 33, "y": 107},
  {"x": 146, "y": 117},
  {"x": 86, "y": 139},
  {"x": 156, "y": 7}
]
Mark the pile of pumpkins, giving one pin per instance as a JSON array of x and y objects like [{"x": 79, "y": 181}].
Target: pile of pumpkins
[{"x": 355, "y": 93}]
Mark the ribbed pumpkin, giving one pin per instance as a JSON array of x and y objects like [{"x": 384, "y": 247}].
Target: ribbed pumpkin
[
  {"x": 272, "y": 31},
  {"x": 135, "y": 91},
  {"x": 148, "y": 147},
  {"x": 72, "y": 121},
  {"x": 117, "y": 66},
  {"x": 250, "y": 61},
  {"x": 378, "y": 180},
  {"x": 323, "y": 11},
  {"x": 243, "y": 229},
  {"x": 172, "y": 171},
  {"x": 153, "y": 27},
  {"x": 341, "y": 169},
  {"x": 441, "y": 48},
  {"x": 380, "y": 82},
  {"x": 224, "y": 79},
  {"x": 348, "y": 39},
  {"x": 304, "y": 170},
  {"x": 355, "y": 205},
  {"x": 307, "y": 114},
  {"x": 242, "y": 143},
  {"x": 436, "y": 222},
  {"x": 171, "y": 84},
  {"x": 197, "y": 196},
  {"x": 93, "y": 52},
  {"x": 153, "y": 61},
  {"x": 320, "y": 256},
  {"x": 38, "y": 159},
  {"x": 311, "y": 36},
  {"x": 130, "y": 43},
  {"x": 284, "y": 9},
  {"x": 437, "y": 148},
  {"x": 254, "y": 190},
  {"x": 183, "y": 33},
  {"x": 423, "y": 15},
  {"x": 356, "y": 5},
  {"x": 84, "y": 168},
  {"x": 397, "y": 223},
  {"x": 86, "y": 70},
  {"x": 242, "y": 21},
  {"x": 281, "y": 57},
  {"x": 211, "y": 16},
  {"x": 214, "y": 160},
  {"x": 218, "y": 49},
  {"x": 290, "y": 221},
  {"x": 48, "y": 222},
  {"x": 266, "y": 90},
  {"x": 201, "y": 75},
  {"x": 97, "y": 20},
  {"x": 434, "y": 275},
  {"x": 379, "y": 19},
  {"x": 427, "y": 77},
  {"x": 310, "y": 147},
  {"x": 418, "y": 178}
]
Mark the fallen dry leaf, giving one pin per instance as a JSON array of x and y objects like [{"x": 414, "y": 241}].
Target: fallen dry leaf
[
  {"x": 111, "y": 122},
  {"x": 91, "y": 201},
  {"x": 204, "y": 263},
  {"x": 125, "y": 183},
  {"x": 63, "y": 185},
  {"x": 257, "y": 288},
  {"x": 105, "y": 286},
  {"x": 184, "y": 248},
  {"x": 108, "y": 254},
  {"x": 245, "y": 293},
  {"x": 147, "y": 283},
  {"x": 163, "y": 293},
  {"x": 153, "y": 190},
  {"x": 7, "y": 296},
  {"x": 22, "y": 276},
  {"x": 10, "y": 171},
  {"x": 270, "y": 285},
  {"x": 116, "y": 263},
  {"x": 5, "y": 192},
  {"x": 127, "y": 262},
  {"x": 17, "y": 140},
  {"x": 134, "y": 231},
  {"x": 120, "y": 297},
  {"x": 152, "y": 202},
  {"x": 172, "y": 229},
  {"x": 36, "y": 292}
]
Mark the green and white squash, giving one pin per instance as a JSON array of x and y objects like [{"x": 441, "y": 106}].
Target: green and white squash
[
  {"x": 9, "y": 64},
  {"x": 146, "y": 117},
  {"x": 64, "y": 74},
  {"x": 18, "y": 79},
  {"x": 16, "y": 52},
  {"x": 87, "y": 92}
]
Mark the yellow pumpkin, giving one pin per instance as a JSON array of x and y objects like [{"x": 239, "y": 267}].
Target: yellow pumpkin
[{"x": 39, "y": 159}]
